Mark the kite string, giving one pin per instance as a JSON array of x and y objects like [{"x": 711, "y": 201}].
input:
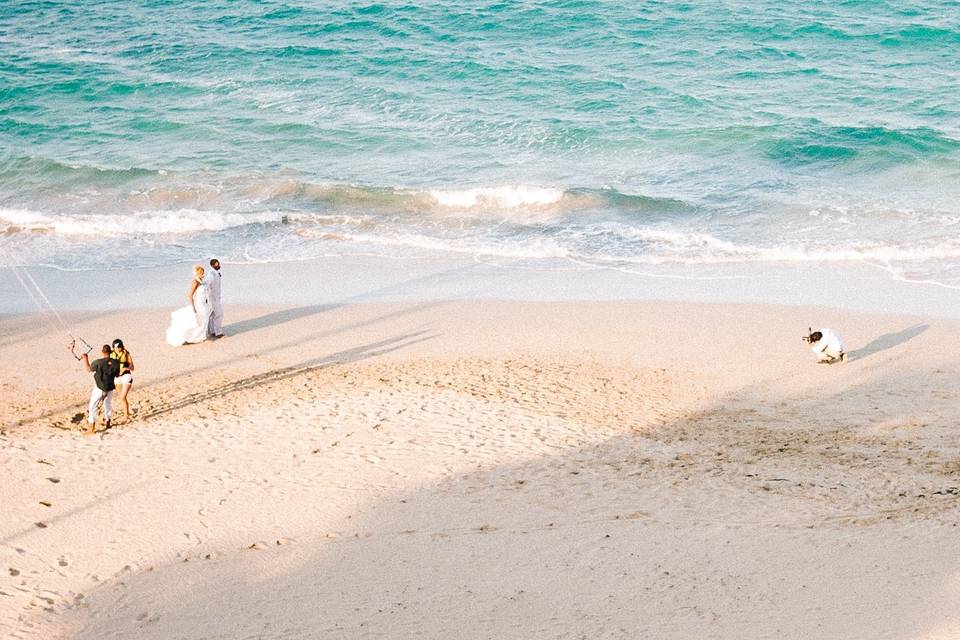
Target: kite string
[
  {"x": 23, "y": 284},
  {"x": 45, "y": 313},
  {"x": 47, "y": 301},
  {"x": 42, "y": 302}
]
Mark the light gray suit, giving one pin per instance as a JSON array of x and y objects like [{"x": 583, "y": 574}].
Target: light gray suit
[{"x": 212, "y": 281}]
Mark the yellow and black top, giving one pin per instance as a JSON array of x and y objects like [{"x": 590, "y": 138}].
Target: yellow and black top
[{"x": 123, "y": 357}]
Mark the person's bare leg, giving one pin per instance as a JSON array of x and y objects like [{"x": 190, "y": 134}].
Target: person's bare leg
[{"x": 124, "y": 391}]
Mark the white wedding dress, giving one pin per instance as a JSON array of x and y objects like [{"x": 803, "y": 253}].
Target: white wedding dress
[{"x": 187, "y": 327}]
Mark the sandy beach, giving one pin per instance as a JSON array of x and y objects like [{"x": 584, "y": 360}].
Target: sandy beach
[
  {"x": 481, "y": 469},
  {"x": 514, "y": 299}
]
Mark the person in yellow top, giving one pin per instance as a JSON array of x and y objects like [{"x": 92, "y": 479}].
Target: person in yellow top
[{"x": 124, "y": 381}]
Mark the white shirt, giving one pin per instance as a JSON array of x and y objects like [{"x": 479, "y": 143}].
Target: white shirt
[
  {"x": 213, "y": 286},
  {"x": 829, "y": 342}
]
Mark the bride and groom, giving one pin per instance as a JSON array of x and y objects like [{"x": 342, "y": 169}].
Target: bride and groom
[{"x": 203, "y": 317}]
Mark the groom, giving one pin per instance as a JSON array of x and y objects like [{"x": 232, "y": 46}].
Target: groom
[{"x": 215, "y": 327}]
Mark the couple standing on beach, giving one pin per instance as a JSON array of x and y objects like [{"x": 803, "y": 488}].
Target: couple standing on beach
[{"x": 203, "y": 318}]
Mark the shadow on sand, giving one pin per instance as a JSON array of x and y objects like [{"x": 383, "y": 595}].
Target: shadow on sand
[
  {"x": 888, "y": 341},
  {"x": 277, "y": 317},
  {"x": 584, "y": 543},
  {"x": 347, "y": 356},
  {"x": 375, "y": 295},
  {"x": 229, "y": 361}
]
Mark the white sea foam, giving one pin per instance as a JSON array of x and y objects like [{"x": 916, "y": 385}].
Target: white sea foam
[
  {"x": 178, "y": 221},
  {"x": 509, "y": 197},
  {"x": 661, "y": 247},
  {"x": 530, "y": 249},
  {"x": 696, "y": 248},
  {"x": 602, "y": 244}
]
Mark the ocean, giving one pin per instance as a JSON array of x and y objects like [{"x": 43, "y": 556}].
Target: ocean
[{"x": 557, "y": 134}]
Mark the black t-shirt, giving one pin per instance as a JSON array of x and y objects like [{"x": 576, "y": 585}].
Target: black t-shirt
[{"x": 104, "y": 371}]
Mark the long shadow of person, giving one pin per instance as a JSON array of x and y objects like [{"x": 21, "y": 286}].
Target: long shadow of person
[
  {"x": 347, "y": 356},
  {"x": 887, "y": 341},
  {"x": 279, "y": 317},
  {"x": 287, "y": 315}
]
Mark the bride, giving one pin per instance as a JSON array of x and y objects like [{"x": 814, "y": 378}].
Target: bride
[{"x": 189, "y": 324}]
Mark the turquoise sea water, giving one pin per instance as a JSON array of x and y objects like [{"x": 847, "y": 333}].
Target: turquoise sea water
[{"x": 599, "y": 133}]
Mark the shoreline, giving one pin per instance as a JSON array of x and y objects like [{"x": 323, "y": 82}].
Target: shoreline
[
  {"x": 340, "y": 279},
  {"x": 479, "y": 468}
]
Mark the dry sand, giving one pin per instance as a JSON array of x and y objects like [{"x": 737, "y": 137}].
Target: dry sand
[{"x": 487, "y": 470}]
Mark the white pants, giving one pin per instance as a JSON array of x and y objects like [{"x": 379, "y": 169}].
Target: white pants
[
  {"x": 95, "y": 396},
  {"x": 215, "y": 326}
]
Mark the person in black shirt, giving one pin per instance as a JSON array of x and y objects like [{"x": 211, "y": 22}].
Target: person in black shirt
[{"x": 104, "y": 370}]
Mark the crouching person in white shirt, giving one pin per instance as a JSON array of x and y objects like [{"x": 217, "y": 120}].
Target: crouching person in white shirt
[{"x": 826, "y": 345}]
